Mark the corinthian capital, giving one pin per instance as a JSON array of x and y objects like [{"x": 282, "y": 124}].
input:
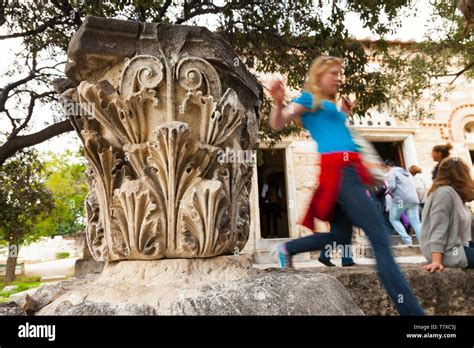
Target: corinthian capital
[{"x": 161, "y": 103}]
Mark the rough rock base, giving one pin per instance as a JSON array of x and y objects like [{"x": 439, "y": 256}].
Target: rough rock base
[
  {"x": 225, "y": 285},
  {"x": 442, "y": 293},
  {"x": 86, "y": 266}
]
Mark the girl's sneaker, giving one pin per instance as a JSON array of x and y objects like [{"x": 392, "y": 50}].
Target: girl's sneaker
[{"x": 282, "y": 256}]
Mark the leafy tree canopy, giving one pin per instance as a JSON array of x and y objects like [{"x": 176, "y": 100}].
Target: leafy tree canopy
[{"x": 269, "y": 35}]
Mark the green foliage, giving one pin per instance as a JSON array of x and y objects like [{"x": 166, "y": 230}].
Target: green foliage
[
  {"x": 272, "y": 36},
  {"x": 24, "y": 198},
  {"x": 67, "y": 183},
  {"x": 22, "y": 284},
  {"x": 269, "y": 36},
  {"x": 62, "y": 255},
  {"x": 42, "y": 199},
  {"x": 433, "y": 64}
]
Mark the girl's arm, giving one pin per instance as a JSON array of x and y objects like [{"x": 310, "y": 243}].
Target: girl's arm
[
  {"x": 281, "y": 115},
  {"x": 437, "y": 263},
  {"x": 439, "y": 216}
]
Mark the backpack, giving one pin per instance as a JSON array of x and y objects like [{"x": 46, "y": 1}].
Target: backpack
[{"x": 379, "y": 190}]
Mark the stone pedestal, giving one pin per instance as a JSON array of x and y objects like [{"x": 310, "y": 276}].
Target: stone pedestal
[{"x": 224, "y": 285}]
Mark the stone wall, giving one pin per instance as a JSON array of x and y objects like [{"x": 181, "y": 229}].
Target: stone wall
[{"x": 448, "y": 293}]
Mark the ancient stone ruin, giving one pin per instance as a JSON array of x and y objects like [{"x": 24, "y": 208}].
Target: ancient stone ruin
[{"x": 160, "y": 104}]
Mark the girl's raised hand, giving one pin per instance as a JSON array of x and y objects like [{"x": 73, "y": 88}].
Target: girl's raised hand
[
  {"x": 346, "y": 106},
  {"x": 277, "y": 91}
]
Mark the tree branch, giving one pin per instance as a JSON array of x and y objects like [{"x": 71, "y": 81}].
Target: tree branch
[
  {"x": 10, "y": 147},
  {"x": 49, "y": 24},
  {"x": 188, "y": 6},
  {"x": 163, "y": 10},
  {"x": 2, "y": 13},
  {"x": 12, "y": 120},
  {"x": 4, "y": 92},
  {"x": 459, "y": 73},
  {"x": 275, "y": 35},
  {"x": 31, "y": 106},
  {"x": 67, "y": 10}
]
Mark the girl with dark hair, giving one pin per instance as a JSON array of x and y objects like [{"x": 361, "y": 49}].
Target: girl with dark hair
[{"x": 439, "y": 153}]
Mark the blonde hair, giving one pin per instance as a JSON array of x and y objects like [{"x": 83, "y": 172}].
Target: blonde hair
[{"x": 317, "y": 68}]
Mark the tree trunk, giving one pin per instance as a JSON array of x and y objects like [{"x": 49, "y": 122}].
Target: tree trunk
[{"x": 13, "y": 250}]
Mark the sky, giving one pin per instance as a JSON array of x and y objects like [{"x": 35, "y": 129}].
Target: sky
[{"x": 412, "y": 28}]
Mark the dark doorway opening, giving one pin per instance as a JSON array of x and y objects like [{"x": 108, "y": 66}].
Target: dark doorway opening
[
  {"x": 390, "y": 150},
  {"x": 272, "y": 195}
]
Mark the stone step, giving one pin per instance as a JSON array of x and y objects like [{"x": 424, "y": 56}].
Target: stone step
[
  {"x": 270, "y": 243},
  {"x": 394, "y": 240},
  {"x": 53, "y": 278},
  {"x": 264, "y": 248},
  {"x": 265, "y": 257},
  {"x": 413, "y": 260},
  {"x": 397, "y": 251}
]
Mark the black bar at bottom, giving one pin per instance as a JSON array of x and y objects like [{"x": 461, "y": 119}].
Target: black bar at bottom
[{"x": 223, "y": 330}]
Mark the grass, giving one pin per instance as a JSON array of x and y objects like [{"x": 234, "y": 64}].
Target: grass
[
  {"x": 22, "y": 283},
  {"x": 62, "y": 255}
]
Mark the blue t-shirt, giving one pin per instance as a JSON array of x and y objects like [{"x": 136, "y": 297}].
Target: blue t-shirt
[{"x": 327, "y": 125}]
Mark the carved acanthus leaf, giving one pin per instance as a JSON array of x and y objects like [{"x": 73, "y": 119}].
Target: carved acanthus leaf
[{"x": 138, "y": 223}]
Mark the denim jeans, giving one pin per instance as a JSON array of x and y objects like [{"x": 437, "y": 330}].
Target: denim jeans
[
  {"x": 346, "y": 258},
  {"x": 413, "y": 216},
  {"x": 346, "y": 254},
  {"x": 356, "y": 208},
  {"x": 470, "y": 254}
]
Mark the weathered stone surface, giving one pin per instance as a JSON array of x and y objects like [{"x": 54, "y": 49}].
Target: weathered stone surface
[
  {"x": 448, "y": 293},
  {"x": 86, "y": 266},
  {"x": 229, "y": 285},
  {"x": 99, "y": 308},
  {"x": 44, "y": 295},
  {"x": 162, "y": 104},
  {"x": 11, "y": 308},
  {"x": 102, "y": 43},
  {"x": 274, "y": 293},
  {"x": 225, "y": 285}
]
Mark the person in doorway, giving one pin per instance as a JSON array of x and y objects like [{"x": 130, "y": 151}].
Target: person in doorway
[
  {"x": 380, "y": 195},
  {"x": 446, "y": 232},
  {"x": 271, "y": 195},
  {"x": 341, "y": 196},
  {"x": 439, "y": 153},
  {"x": 404, "y": 199}
]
